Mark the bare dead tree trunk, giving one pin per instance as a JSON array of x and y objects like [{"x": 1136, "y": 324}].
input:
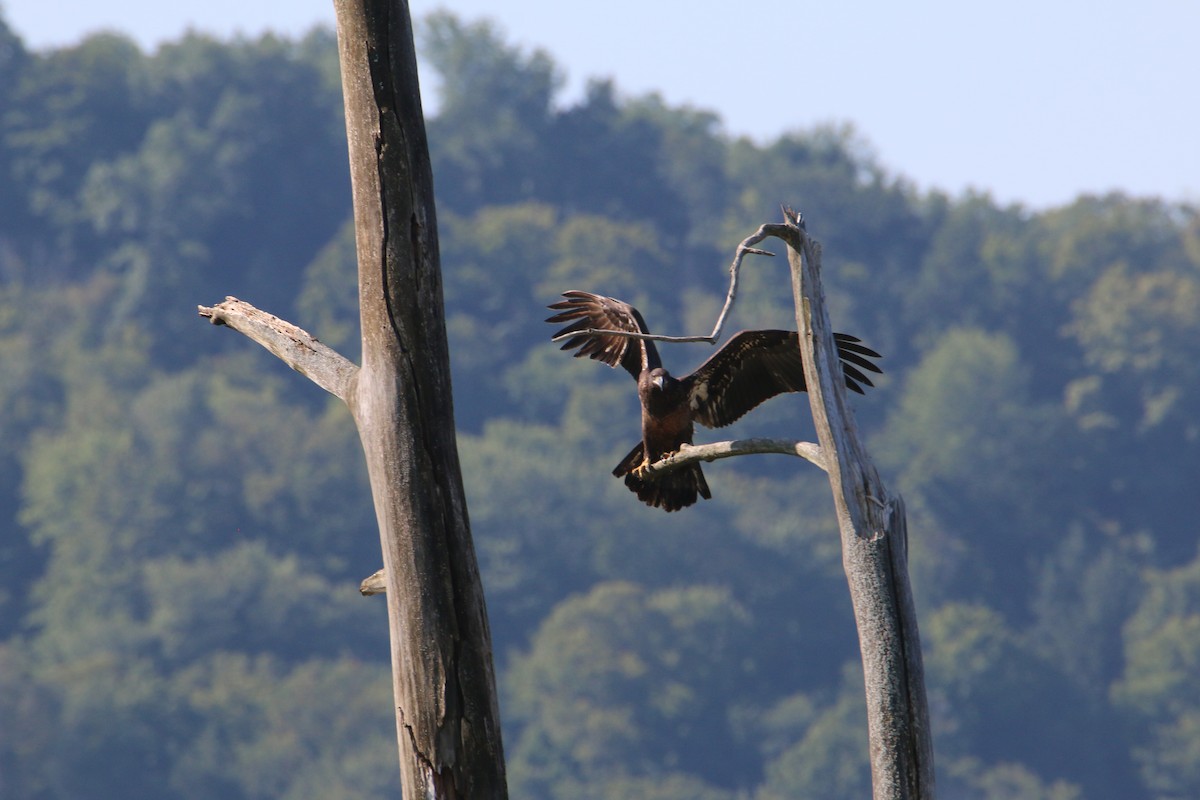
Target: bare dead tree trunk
[
  {"x": 447, "y": 720},
  {"x": 874, "y": 549}
]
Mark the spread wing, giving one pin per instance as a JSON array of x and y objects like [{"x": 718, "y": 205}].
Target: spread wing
[
  {"x": 754, "y": 366},
  {"x": 585, "y": 310}
]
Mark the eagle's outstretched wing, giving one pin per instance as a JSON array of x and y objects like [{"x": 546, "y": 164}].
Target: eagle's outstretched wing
[
  {"x": 754, "y": 366},
  {"x": 585, "y": 310}
]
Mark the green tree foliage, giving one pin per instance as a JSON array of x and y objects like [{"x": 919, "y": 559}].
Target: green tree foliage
[
  {"x": 624, "y": 683},
  {"x": 966, "y": 411},
  {"x": 14, "y": 59},
  {"x": 495, "y": 112},
  {"x": 968, "y": 778},
  {"x": 1162, "y": 655},
  {"x": 1093, "y": 578},
  {"x": 824, "y": 748},
  {"x": 976, "y": 271},
  {"x": 183, "y": 522},
  {"x": 320, "y": 729},
  {"x": 69, "y": 109},
  {"x": 985, "y": 678}
]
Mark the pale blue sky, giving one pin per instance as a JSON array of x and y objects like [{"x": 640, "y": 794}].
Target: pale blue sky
[{"x": 1035, "y": 101}]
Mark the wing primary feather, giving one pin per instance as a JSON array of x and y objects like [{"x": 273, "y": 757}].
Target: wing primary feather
[
  {"x": 585, "y": 312},
  {"x": 859, "y": 349},
  {"x": 851, "y": 345},
  {"x": 859, "y": 361},
  {"x": 852, "y": 372}
]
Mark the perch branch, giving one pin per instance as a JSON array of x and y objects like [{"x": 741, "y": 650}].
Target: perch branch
[
  {"x": 296, "y": 347},
  {"x": 689, "y": 454},
  {"x": 746, "y": 247}
]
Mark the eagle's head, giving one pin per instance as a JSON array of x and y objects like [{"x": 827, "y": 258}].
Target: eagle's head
[
  {"x": 660, "y": 379},
  {"x": 659, "y": 392}
]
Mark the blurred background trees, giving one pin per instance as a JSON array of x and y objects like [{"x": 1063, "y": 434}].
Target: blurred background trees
[{"x": 184, "y": 522}]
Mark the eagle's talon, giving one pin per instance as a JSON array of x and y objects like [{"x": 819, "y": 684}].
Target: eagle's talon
[{"x": 641, "y": 470}]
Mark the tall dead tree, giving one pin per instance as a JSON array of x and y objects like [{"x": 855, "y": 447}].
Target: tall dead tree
[
  {"x": 871, "y": 521},
  {"x": 447, "y": 721},
  {"x": 874, "y": 537}
]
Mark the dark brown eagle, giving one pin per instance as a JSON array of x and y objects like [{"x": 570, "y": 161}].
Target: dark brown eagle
[{"x": 750, "y": 368}]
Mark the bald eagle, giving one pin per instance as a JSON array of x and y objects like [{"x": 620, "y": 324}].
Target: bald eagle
[{"x": 752, "y": 367}]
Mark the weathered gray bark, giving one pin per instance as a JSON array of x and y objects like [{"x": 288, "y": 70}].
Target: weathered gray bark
[
  {"x": 447, "y": 718},
  {"x": 874, "y": 549},
  {"x": 446, "y": 712}
]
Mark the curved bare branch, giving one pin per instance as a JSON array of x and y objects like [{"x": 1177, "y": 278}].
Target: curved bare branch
[
  {"x": 747, "y": 247},
  {"x": 689, "y": 453}
]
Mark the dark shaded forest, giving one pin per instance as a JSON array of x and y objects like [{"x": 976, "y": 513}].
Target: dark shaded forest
[{"x": 184, "y": 522}]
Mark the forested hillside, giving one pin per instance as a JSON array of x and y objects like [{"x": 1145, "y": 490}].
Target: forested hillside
[{"x": 184, "y": 522}]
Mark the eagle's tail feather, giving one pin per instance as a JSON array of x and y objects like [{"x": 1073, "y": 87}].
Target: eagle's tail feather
[{"x": 670, "y": 491}]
